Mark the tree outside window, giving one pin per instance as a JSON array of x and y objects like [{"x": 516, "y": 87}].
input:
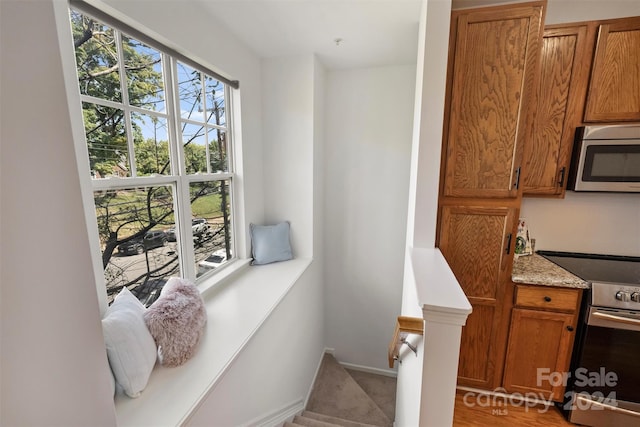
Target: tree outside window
[{"x": 158, "y": 144}]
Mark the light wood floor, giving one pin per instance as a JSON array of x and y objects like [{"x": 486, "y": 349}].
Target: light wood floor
[{"x": 481, "y": 411}]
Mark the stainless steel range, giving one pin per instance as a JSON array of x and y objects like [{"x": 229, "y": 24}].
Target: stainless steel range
[{"x": 604, "y": 382}]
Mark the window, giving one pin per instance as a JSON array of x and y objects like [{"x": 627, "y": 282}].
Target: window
[{"x": 160, "y": 154}]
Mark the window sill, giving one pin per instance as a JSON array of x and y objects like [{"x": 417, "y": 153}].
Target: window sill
[{"x": 236, "y": 308}]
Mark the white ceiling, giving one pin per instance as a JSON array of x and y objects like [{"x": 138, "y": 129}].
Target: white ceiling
[{"x": 373, "y": 32}]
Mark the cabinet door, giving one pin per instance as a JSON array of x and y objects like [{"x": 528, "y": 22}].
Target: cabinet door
[
  {"x": 539, "y": 352},
  {"x": 614, "y": 90},
  {"x": 476, "y": 244},
  {"x": 562, "y": 86},
  {"x": 495, "y": 58}
]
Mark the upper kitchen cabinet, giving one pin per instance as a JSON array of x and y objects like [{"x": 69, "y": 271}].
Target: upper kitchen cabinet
[
  {"x": 614, "y": 89},
  {"x": 561, "y": 92},
  {"x": 492, "y": 71}
]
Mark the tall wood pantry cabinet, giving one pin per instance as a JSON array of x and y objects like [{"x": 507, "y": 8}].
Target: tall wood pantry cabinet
[{"x": 493, "y": 61}]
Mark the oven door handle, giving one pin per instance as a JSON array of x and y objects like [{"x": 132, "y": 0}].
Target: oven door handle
[
  {"x": 614, "y": 318},
  {"x": 585, "y": 402}
]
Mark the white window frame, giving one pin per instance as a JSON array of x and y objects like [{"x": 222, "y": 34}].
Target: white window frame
[{"x": 178, "y": 179}]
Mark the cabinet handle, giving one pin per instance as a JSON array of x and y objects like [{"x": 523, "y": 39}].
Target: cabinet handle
[
  {"x": 517, "y": 183},
  {"x": 561, "y": 180},
  {"x": 508, "y": 250},
  {"x": 547, "y": 299},
  {"x": 570, "y": 328}
]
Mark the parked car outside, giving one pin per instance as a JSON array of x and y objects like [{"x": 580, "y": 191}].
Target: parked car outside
[
  {"x": 199, "y": 226},
  {"x": 214, "y": 260},
  {"x": 149, "y": 291},
  {"x": 153, "y": 239}
]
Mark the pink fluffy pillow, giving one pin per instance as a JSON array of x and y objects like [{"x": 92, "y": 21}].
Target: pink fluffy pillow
[{"x": 176, "y": 321}]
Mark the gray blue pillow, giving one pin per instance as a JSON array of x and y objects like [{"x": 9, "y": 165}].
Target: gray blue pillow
[{"x": 270, "y": 243}]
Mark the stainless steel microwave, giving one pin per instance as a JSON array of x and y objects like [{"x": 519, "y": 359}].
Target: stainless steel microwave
[{"x": 606, "y": 158}]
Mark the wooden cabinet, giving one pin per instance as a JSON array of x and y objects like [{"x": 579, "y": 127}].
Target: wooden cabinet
[
  {"x": 493, "y": 61},
  {"x": 561, "y": 92},
  {"x": 572, "y": 92},
  {"x": 614, "y": 89},
  {"x": 540, "y": 341},
  {"x": 473, "y": 242}
]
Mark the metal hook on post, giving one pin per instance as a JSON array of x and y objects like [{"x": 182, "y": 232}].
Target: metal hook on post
[{"x": 411, "y": 346}]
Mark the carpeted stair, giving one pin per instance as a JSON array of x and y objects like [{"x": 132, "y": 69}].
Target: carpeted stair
[{"x": 348, "y": 398}]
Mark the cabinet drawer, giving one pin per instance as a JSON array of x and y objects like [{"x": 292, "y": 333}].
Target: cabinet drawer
[{"x": 547, "y": 298}]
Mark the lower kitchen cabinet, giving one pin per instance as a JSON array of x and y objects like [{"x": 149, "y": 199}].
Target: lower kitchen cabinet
[{"x": 540, "y": 342}]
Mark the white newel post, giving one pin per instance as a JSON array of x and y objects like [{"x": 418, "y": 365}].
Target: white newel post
[
  {"x": 445, "y": 309},
  {"x": 442, "y": 330}
]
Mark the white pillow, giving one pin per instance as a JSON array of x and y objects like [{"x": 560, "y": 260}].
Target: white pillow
[
  {"x": 112, "y": 382},
  {"x": 131, "y": 349}
]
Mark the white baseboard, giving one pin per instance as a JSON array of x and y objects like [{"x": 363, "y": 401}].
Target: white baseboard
[
  {"x": 279, "y": 416},
  {"x": 386, "y": 372},
  {"x": 378, "y": 371}
]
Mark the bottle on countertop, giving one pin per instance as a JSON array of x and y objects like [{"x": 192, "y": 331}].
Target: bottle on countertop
[{"x": 523, "y": 239}]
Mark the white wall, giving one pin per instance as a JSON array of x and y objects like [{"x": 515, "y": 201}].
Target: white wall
[
  {"x": 54, "y": 369},
  {"x": 368, "y": 140},
  {"x": 288, "y": 124},
  {"x": 583, "y": 222},
  {"x": 319, "y": 89},
  {"x": 586, "y": 222},
  {"x": 277, "y": 367},
  {"x": 562, "y": 11}
]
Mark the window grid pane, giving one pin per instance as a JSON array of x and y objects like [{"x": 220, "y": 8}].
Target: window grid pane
[
  {"x": 138, "y": 124},
  {"x": 189, "y": 83},
  {"x": 151, "y": 145},
  {"x": 143, "y": 69},
  {"x": 97, "y": 58},
  {"x": 106, "y": 141},
  {"x": 213, "y": 224},
  {"x": 135, "y": 245}
]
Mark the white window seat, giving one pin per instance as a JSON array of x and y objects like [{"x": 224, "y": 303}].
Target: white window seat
[{"x": 236, "y": 308}]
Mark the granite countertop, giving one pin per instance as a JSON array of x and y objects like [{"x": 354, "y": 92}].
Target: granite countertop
[{"x": 537, "y": 270}]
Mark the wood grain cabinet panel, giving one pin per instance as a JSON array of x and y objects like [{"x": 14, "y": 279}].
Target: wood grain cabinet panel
[
  {"x": 614, "y": 89},
  {"x": 547, "y": 298},
  {"x": 562, "y": 84},
  {"x": 475, "y": 366},
  {"x": 539, "y": 341},
  {"x": 494, "y": 67},
  {"x": 475, "y": 242}
]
